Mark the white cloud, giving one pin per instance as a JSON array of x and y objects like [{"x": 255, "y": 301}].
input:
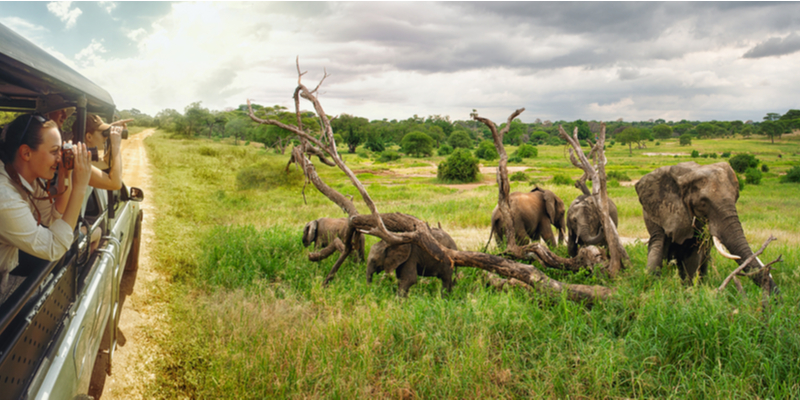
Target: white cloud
[
  {"x": 91, "y": 54},
  {"x": 23, "y": 27},
  {"x": 108, "y": 5},
  {"x": 135, "y": 34},
  {"x": 61, "y": 9}
]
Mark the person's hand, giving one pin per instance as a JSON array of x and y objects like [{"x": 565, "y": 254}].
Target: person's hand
[
  {"x": 64, "y": 173},
  {"x": 115, "y": 137},
  {"x": 83, "y": 166}
]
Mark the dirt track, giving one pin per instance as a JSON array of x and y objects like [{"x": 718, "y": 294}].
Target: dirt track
[{"x": 135, "y": 353}]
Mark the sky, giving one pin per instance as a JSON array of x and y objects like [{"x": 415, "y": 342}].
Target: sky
[{"x": 559, "y": 60}]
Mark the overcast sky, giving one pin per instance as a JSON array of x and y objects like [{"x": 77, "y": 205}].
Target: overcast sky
[{"x": 570, "y": 60}]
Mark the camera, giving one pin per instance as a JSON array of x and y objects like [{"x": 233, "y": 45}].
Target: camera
[
  {"x": 68, "y": 155},
  {"x": 124, "y": 133}
]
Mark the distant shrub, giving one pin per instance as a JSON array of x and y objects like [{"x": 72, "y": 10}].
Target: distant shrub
[
  {"x": 486, "y": 151},
  {"x": 417, "y": 144},
  {"x": 658, "y": 143},
  {"x": 741, "y": 162},
  {"x": 518, "y": 176},
  {"x": 561, "y": 179},
  {"x": 764, "y": 168},
  {"x": 445, "y": 150},
  {"x": 792, "y": 176},
  {"x": 613, "y": 183},
  {"x": 695, "y": 154},
  {"x": 363, "y": 153},
  {"x": 741, "y": 182},
  {"x": 515, "y": 159},
  {"x": 726, "y": 154},
  {"x": 208, "y": 151},
  {"x": 555, "y": 141},
  {"x": 461, "y": 166},
  {"x": 618, "y": 175},
  {"x": 389, "y": 155},
  {"x": 753, "y": 176},
  {"x": 613, "y": 142},
  {"x": 685, "y": 139},
  {"x": 704, "y": 155},
  {"x": 713, "y": 155},
  {"x": 460, "y": 139},
  {"x": 527, "y": 151},
  {"x": 375, "y": 145}
]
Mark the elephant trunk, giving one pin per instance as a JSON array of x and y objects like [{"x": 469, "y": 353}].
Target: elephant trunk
[
  {"x": 732, "y": 237},
  {"x": 593, "y": 240}
]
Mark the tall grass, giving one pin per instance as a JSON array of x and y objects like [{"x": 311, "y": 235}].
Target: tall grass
[{"x": 250, "y": 319}]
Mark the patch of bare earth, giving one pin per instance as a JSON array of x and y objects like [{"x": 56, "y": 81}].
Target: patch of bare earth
[{"x": 142, "y": 310}]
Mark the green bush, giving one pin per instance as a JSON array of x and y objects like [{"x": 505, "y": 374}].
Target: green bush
[
  {"x": 658, "y": 143},
  {"x": 375, "y": 145},
  {"x": 389, "y": 155},
  {"x": 741, "y": 162},
  {"x": 704, "y": 155},
  {"x": 460, "y": 139},
  {"x": 619, "y": 176},
  {"x": 792, "y": 176},
  {"x": 685, "y": 139},
  {"x": 561, "y": 179},
  {"x": 417, "y": 144},
  {"x": 518, "y": 176},
  {"x": 753, "y": 176},
  {"x": 741, "y": 182},
  {"x": 713, "y": 155},
  {"x": 695, "y": 154},
  {"x": 363, "y": 153},
  {"x": 613, "y": 183},
  {"x": 445, "y": 149},
  {"x": 555, "y": 141},
  {"x": 764, "y": 168},
  {"x": 527, "y": 151},
  {"x": 515, "y": 159},
  {"x": 459, "y": 167},
  {"x": 486, "y": 151},
  {"x": 726, "y": 154}
]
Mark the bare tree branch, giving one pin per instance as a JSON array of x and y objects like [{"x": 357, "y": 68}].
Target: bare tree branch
[{"x": 743, "y": 265}]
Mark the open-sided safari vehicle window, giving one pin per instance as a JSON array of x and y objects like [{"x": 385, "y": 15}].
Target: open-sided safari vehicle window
[{"x": 54, "y": 314}]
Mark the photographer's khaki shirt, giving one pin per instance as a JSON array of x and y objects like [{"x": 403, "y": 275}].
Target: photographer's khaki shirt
[{"x": 18, "y": 227}]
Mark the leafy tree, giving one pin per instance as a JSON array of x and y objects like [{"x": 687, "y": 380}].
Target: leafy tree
[
  {"x": 737, "y": 126},
  {"x": 445, "y": 149},
  {"x": 139, "y": 118},
  {"x": 685, "y": 139},
  {"x": 487, "y": 151},
  {"x": 459, "y": 167},
  {"x": 682, "y": 128},
  {"x": 417, "y": 144},
  {"x": 353, "y": 130},
  {"x": 539, "y": 136},
  {"x": 790, "y": 115},
  {"x": 747, "y": 130},
  {"x": 772, "y": 117},
  {"x": 705, "y": 130},
  {"x": 460, "y": 139},
  {"x": 662, "y": 131},
  {"x": 389, "y": 155},
  {"x": 771, "y": 129},
  {"x": 237, "y": 127},
  {"x": 741, "y": 162},
  {"x": 628, "y": 136}
]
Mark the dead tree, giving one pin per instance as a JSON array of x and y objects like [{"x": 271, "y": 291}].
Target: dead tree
[
  {"x": 398, "y": 228},
  {"x": 597, "y": 173}
]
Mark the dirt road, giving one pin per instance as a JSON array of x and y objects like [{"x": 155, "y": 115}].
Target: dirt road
[{"x": 135, "y": 352}]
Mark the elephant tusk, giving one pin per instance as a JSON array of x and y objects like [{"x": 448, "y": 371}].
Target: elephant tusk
[{"x": 722, "y": 250}]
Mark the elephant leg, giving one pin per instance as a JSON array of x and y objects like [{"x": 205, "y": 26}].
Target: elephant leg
[
  {"x": 371, "y": 270},
  {"x": 407, "y": 277},
  {"x": 547, "y": 233},
  {"x": 656, "y": 247},
  {"x": 693, "y": 262},
  {"x": 447, "y": 279}
]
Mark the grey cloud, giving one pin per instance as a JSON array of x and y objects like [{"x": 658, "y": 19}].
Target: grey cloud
[
  {"x": 775, "y": 46},
  {"x": 627, "y": 74}
]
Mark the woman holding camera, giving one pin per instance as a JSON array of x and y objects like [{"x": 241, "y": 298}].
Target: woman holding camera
[
  {"x": 31, "y": 219},
  {"x": 107, "y": 172}
]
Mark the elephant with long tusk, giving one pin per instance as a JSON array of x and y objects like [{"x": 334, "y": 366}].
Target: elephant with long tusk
[
  {"x": 584, "y": 224},
  {"x": 678, "y": 202}
]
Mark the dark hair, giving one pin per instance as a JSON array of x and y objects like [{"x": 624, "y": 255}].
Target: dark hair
[{"x": 25, "y": 129}]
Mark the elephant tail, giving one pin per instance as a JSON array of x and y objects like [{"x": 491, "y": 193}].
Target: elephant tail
[{"x": 491, "y": 232}]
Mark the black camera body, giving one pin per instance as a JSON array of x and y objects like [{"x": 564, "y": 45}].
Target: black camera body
[
  {"x": 124, "y": 133},
  {"x": 68, "y": 155}
]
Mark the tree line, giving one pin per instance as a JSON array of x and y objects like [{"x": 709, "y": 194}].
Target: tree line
[{"x": 421, "y": 135}]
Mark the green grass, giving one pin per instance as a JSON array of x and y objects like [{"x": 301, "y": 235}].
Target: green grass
[{"x": 249, "y": 318}]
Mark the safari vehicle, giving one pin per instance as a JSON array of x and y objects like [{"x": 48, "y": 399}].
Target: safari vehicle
[{"x": 65, "y": 312}]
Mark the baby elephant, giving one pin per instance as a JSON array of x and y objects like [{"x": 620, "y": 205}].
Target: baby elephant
[
  {"x": 583, "y": 223},
  {"x": 409, "y": 261},
  {"x": 323, "y": 231}
]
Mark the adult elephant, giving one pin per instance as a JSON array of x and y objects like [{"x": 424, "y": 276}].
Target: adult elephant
[
  {"x": 409, "y": 261},
  {"x": 533, "y": 213},
  {"x": 323, "y": 231},
  {"x": 678, "y": 202},
  {"x": 584, "y": 224}
]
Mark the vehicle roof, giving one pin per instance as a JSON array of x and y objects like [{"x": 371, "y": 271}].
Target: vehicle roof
[{"x": 27, "y": 72}]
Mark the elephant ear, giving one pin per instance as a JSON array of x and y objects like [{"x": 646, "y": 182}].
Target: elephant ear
[
  {"x": 396, "y": 255},
  {"x": 550, "y": 201},
  {"x": 660, "y": 196}
]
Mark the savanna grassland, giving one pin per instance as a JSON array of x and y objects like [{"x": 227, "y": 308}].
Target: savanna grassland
[{"x": 249, "y": 318}]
